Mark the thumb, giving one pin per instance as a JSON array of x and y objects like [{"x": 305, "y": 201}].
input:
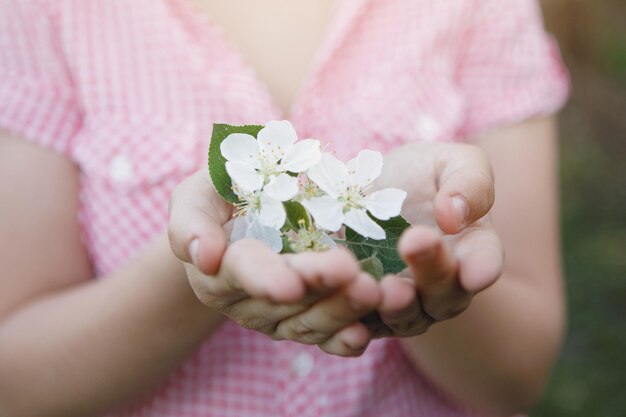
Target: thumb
[
  {"x": 196, "y": 216},
  {"x": 466, "y": 188}
]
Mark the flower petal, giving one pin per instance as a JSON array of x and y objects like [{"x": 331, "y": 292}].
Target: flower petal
[
  {"x": 241, "y": 148},
  {"x": 240, "y": 227},
  {"x": 302, "y": 156},
  {"x": 330, "y": 174},
  {"x": 272, "y": 212},
  {"x": 385, "y": 204},
  {"x": 269, "y": 235},
  {"x": 360, "y": 222},
  {"x": 326, "y": 211},
  {"x": 244, "y": 175},
  {"x": 276, "y": 138},
  {"x": 327, "y": 240},
  {"x": 365, "y": 168},
  {"x": 282, "y": 187}
]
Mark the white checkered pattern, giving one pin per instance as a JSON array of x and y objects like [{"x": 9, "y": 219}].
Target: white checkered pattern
[{"x": 129, "y": 90}]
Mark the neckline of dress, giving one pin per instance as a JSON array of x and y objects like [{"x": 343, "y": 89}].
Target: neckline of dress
[{"x": 343, "y": 15}]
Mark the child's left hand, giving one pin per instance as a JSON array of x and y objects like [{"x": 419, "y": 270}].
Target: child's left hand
[{"x": 450, "y": 189}]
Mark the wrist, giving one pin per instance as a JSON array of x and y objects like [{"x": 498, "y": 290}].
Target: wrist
[{"x": 161, "y": 284}]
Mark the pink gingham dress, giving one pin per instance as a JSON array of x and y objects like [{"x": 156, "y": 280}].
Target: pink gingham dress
[{"x": 128, "y": 90}]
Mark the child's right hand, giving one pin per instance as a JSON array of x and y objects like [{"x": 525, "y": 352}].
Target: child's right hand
[{"x": 311, "y": 298}]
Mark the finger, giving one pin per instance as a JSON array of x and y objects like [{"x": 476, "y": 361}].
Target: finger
[
  {"x": 466, "y": 188},
  {"x": 251, "y": 266},
  {"x": 196, "y": 216},
  {"x": 351, "y": 341},
  {"x": 325, "y": 270},
  {"x": 262, "y": 315},
  {"x": 481, "y": 257},
  {"x": 434, "y": 269},
  {"x": 400, "y": 309},
  {"x": 332, "y": 313}
]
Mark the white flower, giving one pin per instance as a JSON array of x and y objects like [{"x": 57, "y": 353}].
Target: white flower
[
  {"x": 252, "y": 163},
  {"x": 346, "y": 201},
  {"x": 267, "y": 204},
  {"x": 249, "y": 226},
  {"x": 258, "y": 169},
  {"x": 311, "y": 240}
]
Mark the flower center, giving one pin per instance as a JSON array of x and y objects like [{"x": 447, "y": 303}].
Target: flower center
[
  {"x": 247, "y": 202},
  {"x": 309, "y": 190},
  {"x": 268, "y": 159},
  {"x": 352, "y": 198},
  {"x": 308, "y": 240}
]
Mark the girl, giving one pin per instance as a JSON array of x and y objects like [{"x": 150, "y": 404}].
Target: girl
[{"x": 106, "y": 106}]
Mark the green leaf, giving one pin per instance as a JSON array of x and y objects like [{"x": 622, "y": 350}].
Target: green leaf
[
  {"x": 374, "y": 266},
  {"x": 385, "y": 250},
  {"x": 295, "y": 213},
  {"x": 217, "y": 163},
  {"x": 286, "y": 246}
]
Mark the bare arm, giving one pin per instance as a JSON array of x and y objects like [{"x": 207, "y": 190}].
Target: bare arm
[
  {"x": 496, "y": 356},
  {"x": 71, "y": 345}
]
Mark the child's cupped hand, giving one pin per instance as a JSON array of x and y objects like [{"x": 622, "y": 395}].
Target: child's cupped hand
[
  {"x": 452, "y": 251},
  {"x": 310, "y": 298}
]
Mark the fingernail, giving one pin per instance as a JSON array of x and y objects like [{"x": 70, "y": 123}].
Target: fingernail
[
  {"x": 193, "y": 251},
  {"x": 460, "y": 209}
]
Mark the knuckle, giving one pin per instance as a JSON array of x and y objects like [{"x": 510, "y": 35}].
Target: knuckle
[
  {"x": 240, "y": 315},
  {"x": 449, "y": 312},
  {"x": 413, "y": 324},
  {"x": 338, "y": 319},
  {"x": 253, "y": 323},
  {"x": 412, "y": 327},
  {"x": 207, "y": 291},
  {"x": 212, "y": 300},
  {"x": 209, "y": 299},
  {"x": 300, "y": 330}
]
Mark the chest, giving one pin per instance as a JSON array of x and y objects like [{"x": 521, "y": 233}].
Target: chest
[{"x": 278, "y": 38}]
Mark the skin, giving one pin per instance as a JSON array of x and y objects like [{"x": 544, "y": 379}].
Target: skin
[{"x": 278, "y": 38}]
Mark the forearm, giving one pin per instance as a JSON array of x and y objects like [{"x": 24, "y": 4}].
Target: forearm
[
  {"x": 496, "y": 356},
  {"x": 81, "y": 350}
]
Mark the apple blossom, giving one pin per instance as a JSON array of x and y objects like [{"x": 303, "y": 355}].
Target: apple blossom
[
  {"x": 346, "y": 200},
  {"x": 258, "y": 168},
  {"x": 252, "y": 163},
  {"x": 310, "y": 240}
]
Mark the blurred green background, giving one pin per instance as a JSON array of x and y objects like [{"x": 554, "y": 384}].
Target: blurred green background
[{"x": 590, "y": 378}]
